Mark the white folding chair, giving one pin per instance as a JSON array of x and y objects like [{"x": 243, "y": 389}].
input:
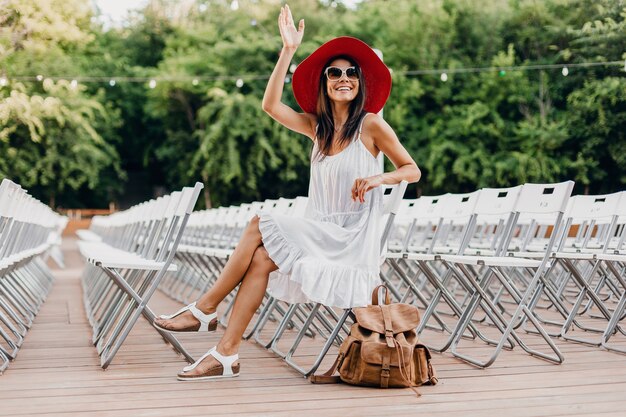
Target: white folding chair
[
  {"x": 483, "y": 273},
  {"x": 29, "y": 230},
  {"x": 135, "y": 253}
]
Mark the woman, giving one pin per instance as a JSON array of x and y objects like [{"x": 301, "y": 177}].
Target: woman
[{"x": 331, "y": 255}]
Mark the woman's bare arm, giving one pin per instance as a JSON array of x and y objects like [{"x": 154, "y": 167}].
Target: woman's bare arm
[
  {"x": 299, "y": 122},
  {"x": 382, "y": 137}
]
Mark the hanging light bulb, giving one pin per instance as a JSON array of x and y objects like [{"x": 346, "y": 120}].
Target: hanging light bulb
[
  {"x": 112, "y": 82},
  {"x": 152, "y": 83},
  {"x": 444, "y": 77},
  {"x": 239, "y": 83},
  {"x": 74, "y": 84},
  {"x": 502, "y": 73},
  {"x": 565, "y": 71},
  {"x": 195, "y": 81}
]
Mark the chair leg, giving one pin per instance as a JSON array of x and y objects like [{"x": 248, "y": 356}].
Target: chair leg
[{"x": 111, "y": 350}]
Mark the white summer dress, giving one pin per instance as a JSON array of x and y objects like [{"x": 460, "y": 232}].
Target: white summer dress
[{"x": 332, "y": 255}]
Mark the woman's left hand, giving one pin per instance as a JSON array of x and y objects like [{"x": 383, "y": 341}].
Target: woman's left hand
[{"x": 363, "y": 185}]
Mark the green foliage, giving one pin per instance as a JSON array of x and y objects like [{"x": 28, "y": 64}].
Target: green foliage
[
  {"x": 598, "y": 120},
  {"x": 52, "y": 142},
  {"x": 241, "y": 150},
  {"x": 55, "y": 138},
  {"x": 477, "y": 129}
]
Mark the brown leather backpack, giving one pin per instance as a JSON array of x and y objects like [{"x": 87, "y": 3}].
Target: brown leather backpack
[{"x": 382, "y": 349}]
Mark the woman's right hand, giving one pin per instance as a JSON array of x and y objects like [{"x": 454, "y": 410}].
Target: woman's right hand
[{"x": 291, "y": 37}]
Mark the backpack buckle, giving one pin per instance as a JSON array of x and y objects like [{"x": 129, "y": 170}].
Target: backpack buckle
[{"x": 389, "y": 338}]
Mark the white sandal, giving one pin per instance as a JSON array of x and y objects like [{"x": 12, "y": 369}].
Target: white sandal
[
  {"x": 226, "y": 369},
  {"x": 208, "y": 322}
]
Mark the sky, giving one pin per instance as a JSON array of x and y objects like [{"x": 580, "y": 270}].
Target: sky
[{"x": 116, "y": 9}]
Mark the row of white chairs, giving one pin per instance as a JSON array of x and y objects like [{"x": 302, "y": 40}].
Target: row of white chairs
[
  {"x": 496, "y": 265},
  {"x": 29, "y": 231},
  {"x": 128, "y": 253},
  {"x": 499, "y": 264}
]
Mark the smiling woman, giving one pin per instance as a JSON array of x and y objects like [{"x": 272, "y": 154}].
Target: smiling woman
[{"x": 331, "y": 256}]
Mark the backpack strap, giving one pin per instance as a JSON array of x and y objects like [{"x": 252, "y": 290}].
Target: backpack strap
[
  {"x": 328, "y": 377},
  {"x": 388, "y": 326},
  {"x": 375, "y": 295}
]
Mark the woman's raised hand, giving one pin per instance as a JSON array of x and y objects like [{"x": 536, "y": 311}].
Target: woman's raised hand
[{"x": 291, "y": 37}]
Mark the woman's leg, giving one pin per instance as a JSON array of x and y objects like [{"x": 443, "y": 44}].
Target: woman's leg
[
  {"x": 229, "y": 278},
  {"x": 249, "y": 298}
]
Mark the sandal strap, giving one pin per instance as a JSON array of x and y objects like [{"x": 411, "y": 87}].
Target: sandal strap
[
  {"x": 196, "y": 363},
  {"x": 226, "y": 361},
  {"x": 204, "y": 319},
  {"x": 171, "y": 316}
]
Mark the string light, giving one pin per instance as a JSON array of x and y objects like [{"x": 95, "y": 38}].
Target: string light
[
  {"x": 287, "y": 79},
  {"x": 250, "y": 77},
  {"x": 3, "y": 81},
  {"x": 74, "y": 84},
  {"x": 565, "y": 71},
  {"x": 512, "y": 68},
  {"x": 234, "y": 5},
  {"x": 239, "y": 83},
  {"x": 444, "y": 77}
]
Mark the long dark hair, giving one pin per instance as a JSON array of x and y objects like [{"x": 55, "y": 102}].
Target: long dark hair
[{"x": 325, "y": 120}]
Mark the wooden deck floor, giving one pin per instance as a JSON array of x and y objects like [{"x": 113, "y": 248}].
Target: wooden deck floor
[{"x": 57, "y": 373}]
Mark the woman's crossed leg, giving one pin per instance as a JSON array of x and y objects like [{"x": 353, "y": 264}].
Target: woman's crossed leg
[{"x": 249, "y": 265}]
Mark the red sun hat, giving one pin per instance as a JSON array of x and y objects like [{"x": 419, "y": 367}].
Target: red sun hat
[{"x": 377, "y": 76}]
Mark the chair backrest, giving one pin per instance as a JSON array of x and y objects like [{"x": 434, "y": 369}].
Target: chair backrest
[
  {"x": 541, "y": 208},
  {"x": 151, "y": 229},
  {"x": 495, "y": 218},
  {"x": 592, "y": 220},
  {"x": 25, "y": 222},
  {"x": 392, "y": 196},
  {"x": 456, "y": 223}
]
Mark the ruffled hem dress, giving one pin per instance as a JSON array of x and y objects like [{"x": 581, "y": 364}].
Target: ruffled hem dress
[{"x": 332, "y": 254}]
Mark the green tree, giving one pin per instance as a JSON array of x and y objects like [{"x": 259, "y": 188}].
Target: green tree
[
  {"x": 52, "y": 134},
  {"x": 598, "y": 126}
]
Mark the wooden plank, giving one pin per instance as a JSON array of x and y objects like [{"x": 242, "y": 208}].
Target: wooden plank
[{"x": 57, "y": 373}]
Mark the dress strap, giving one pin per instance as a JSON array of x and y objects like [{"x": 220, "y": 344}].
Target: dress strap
[{"x": 361, "y": 125}]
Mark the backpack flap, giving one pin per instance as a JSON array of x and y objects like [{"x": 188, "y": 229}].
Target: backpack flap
[{"x": 404, "y": 317}]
